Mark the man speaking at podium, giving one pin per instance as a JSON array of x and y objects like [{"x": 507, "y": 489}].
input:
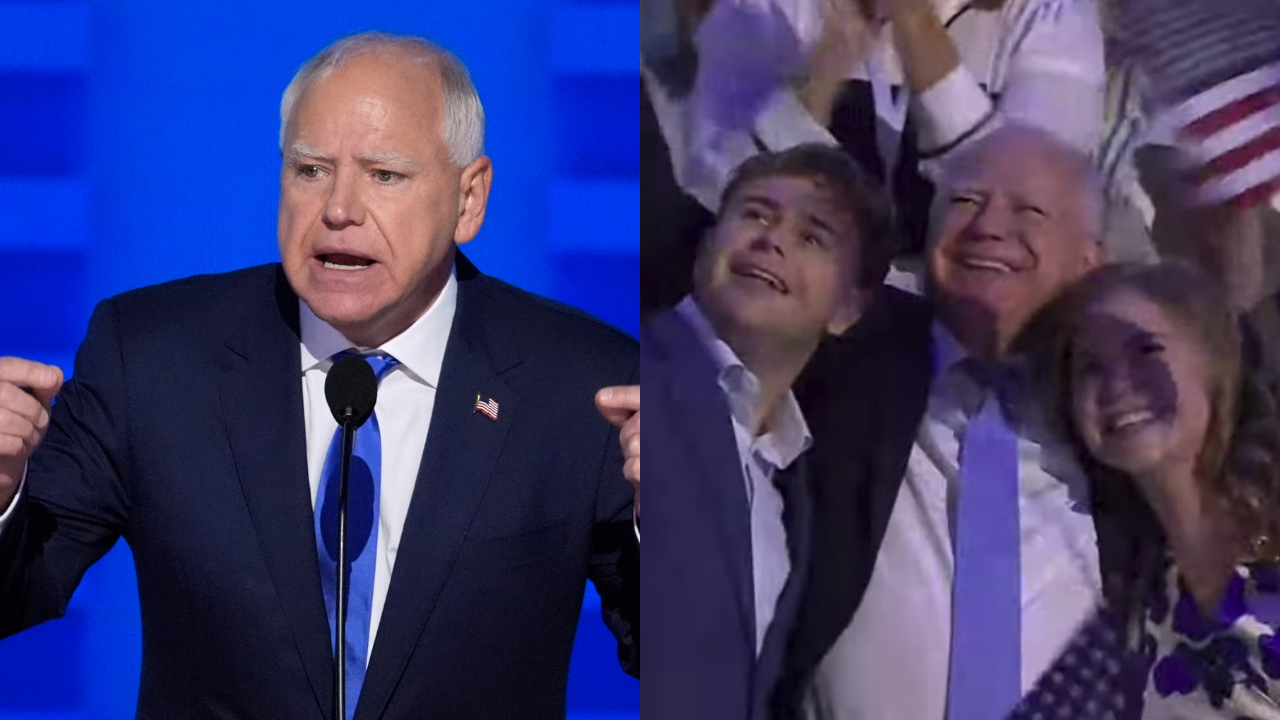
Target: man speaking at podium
[{"x": 196, "y": 427}]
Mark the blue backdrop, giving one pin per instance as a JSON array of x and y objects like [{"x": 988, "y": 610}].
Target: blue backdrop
[{"x": 138, "y": 144}]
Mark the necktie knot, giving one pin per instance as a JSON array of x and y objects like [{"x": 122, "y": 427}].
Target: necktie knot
[
  {"x": 1002, "y": 380},
  {"x": 381, "y": 362},
  {"x": 991, "y": 375}
]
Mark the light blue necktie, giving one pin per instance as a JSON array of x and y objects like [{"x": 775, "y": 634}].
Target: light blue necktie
[
  {"x": 985, "y": 680},
  {"x": 363, "y": 490}
]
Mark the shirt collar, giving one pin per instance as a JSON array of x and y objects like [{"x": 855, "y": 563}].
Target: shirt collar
[
  {"x": 721, "y": 354},
  {"x": 947, "y": 350},
  {"x": 420, "y": 348},
  {"x": 1021, "y": 404},
  {"x": 788, "y": 434}
]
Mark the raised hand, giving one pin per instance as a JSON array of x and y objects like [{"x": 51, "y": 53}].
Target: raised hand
[
  {"x": 847, "y": 33},
  {"x": 27, "y": 389},
  {"x": 621, "y": 407}
]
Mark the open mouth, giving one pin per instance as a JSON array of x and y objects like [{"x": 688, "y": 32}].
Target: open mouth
[
  {"x": 1128, "y": 421},
  {"x": 972, "y": 262},
  {"x": 755, "y": 272},
  {"x": 343, "y": 261}
]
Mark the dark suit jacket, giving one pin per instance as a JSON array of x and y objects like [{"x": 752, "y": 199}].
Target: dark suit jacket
[
  {"x": 182, "y": 431},
  {"x": 698, "y": 592}
]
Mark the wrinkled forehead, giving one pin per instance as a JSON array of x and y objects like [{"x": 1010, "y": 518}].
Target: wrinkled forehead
[
  {"x": 385, "y": 82},
  {"x": 1015, "y": 163},
  {"x": 1027, "y": 158}
]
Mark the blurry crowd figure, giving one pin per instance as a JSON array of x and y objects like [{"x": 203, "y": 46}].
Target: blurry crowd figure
[
  {"x": 1036, "y": 472},
  {"x": 1193, "y": 142}
]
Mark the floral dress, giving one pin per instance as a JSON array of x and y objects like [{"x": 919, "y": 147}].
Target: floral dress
[{"x": 1226, "y": 665}]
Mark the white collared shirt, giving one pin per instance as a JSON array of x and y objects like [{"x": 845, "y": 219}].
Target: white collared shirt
[
  {"x": 760, "y": 458},
  {"x": 406, "y": 397},
  {"x": 1043, "y": 59},
  {"x": 892, "y": 660}
]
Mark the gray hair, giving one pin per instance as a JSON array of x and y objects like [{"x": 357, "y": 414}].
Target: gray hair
[{"x": 463, "y": 129}]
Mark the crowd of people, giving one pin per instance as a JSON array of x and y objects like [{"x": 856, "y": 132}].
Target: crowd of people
[{"x": 960, "y": 348}]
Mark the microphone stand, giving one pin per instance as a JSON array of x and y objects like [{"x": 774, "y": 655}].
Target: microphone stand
[{"x": 340, "y": 670}]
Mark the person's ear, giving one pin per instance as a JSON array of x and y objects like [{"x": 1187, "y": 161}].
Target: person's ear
[
  {"x": 473, "y": 199},
  {"x": 1094, "y": 254}
]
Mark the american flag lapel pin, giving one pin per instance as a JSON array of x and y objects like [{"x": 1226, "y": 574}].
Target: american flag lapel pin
[{"x": 488, "y": 407}]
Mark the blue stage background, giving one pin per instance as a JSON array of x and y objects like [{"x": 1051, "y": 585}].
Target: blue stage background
[{"x": 138, "y": 144}]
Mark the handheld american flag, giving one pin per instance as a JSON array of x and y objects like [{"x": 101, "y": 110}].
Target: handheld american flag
[
  {"x": 488, "y": 407},
  {"x": 1213, "y": 71}
]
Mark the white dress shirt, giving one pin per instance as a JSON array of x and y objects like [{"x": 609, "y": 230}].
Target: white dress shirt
[
  {"x": 892, "y": 660},
  {"x": 1042, "y": 59},
  {"x": 760, "y": 457},
  {"x": 406, "y": 397},
  {"x": 8, "y": 513}
]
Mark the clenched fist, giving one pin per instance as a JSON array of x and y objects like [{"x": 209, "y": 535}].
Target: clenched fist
[
  {"x": 26, "y": 398},
  {"x": 621, "y": 407}
]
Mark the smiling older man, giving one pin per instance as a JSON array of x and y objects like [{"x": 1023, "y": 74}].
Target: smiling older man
[
  {"x": 955, "y": 559},
  {"x": 196, "y": 427}
]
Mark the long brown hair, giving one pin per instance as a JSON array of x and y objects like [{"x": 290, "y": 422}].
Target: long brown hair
[{"x": 1238, "y": 463}]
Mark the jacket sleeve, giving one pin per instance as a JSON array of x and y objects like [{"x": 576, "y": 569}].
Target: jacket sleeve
[
  {"x": 615, "y": 552},
  {"x": 74, "y": 503}
]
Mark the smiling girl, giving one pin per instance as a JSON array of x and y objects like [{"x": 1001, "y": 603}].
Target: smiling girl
[{"x": 1146, "y": 367}]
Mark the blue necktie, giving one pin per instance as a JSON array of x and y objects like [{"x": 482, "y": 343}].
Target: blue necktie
[
  {"x": 985, "y": 680},
  {"x": 365, "y": 484}
]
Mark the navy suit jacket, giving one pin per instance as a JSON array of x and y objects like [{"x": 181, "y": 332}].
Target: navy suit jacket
[
  {"x": 182, "y": 431},
  {"x": 698, "y": 594}
]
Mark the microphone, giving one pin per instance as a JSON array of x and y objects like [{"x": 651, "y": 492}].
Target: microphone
[{"x": 351, "y": 389}]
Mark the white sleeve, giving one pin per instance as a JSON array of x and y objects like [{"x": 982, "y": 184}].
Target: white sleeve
[
  {"x": 949, "y": 113},
  {"x": 8, "y": 513},
  {"x": 785, "y": 122},
  {"x": 1056, "y": 80}
]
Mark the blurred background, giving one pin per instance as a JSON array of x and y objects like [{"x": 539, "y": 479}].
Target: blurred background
[{"x": 138, "y": 144}]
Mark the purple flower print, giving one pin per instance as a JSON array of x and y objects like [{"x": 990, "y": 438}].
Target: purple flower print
[
  {"x": 1178, "y": 672},
  {"x": 1217, "y": 668},
  {"x": 1192, "y": 624}
]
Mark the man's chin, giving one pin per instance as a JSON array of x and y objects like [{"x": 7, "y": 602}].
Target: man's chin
[
  {"x": 994, "y": 295},
  {"x": 781, "y": 327},
  {"x": 344, "y": 313}
]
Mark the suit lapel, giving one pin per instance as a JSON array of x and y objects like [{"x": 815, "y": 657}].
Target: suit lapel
[
  {"x": 261, "y": 393},
  {"x": 863, "y": 396},
  {"x": 461, "y": 451},
  {"x": 905, "y": 398},
  {"x": 705, "y": 420}
]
